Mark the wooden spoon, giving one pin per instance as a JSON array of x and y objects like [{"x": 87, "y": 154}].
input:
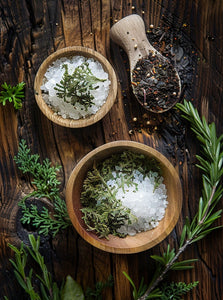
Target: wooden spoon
[{"x": 155, "y": 82}]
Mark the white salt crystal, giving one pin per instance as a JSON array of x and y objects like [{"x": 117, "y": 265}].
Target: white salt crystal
[
  {"x": 147, "y": 202},
  {"x": 54, "y": 75}
]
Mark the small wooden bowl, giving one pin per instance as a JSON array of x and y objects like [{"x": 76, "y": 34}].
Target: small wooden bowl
[
  {"x": 69, "y": 52},
  {"x": 141, "y": 241}
]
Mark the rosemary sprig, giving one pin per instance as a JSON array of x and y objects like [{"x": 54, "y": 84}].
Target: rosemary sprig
[
  {"x": 46, "y": 289},
  {"x": 12, "y": 94},
  {"x": 211, "y": 165},
  {"x": 77, "y": 87},
  {"x": 41, "y": 285},
  {"x": 44, "y": 179}
]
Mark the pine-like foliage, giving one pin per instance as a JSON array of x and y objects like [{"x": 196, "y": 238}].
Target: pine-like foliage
[
  {"x": 77, "y": 87},
  {"x": 13, "y": 94},
  {"x": 44, "y": 179},
  {"x": 175, "y": 290}
]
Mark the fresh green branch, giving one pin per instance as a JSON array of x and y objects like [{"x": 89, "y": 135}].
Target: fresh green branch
[
  {"x": 41, "y": 285},
  {"x": 78, "y": 86},
  {"x": 175, "y": 290},
  {"x": 44, "y": 287},
  {"x": 12, "y": 94},
  {"x": 211, "y": 164},
  {"x": 96, "y": 293},
  {"x": 44, "y": 179}
]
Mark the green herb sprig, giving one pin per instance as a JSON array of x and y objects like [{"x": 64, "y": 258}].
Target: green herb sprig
[
  {"x": 96, "y": 293},
  {"x": 13, "y": 94},
  {"x": 102, "y": 211},
  {"x": 40, "y": 285},
  {"x": 211, "y": 164},
  {"x": 46, "y": 289},
  {"x": 77, "y": 87},
  {"x": 175, "y": 290},
  {"x": 46, "y": 185}
]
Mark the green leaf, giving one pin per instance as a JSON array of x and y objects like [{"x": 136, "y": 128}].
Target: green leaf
[
  {"x": 134, "y": 293},
  {"x": 183, "y": 265},
  {"x": 72, "y": 290},
  {"x": 200, "y": 210},
  {"x": 20, "y": 280},
  {"x": 183, "y": 235},
  {"x": 129, "y": 279},
  {"x": 44, "y": 295},
  {"x": 188, "y": 227},
  {"x": 155, "y": 294},
  {"x": 142, "y": 288},
  {"x": 159, "y": 259}
]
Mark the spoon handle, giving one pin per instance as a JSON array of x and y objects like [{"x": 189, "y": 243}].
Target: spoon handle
[{"x": 129, "y": 33}]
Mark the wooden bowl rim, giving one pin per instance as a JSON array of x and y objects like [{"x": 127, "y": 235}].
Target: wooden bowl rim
[
  {"x": 128, "y": 244},
  {"x": 72, "y": 51}
]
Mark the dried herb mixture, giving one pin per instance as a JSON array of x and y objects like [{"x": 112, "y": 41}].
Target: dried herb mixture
[
  {"x": 155, "y": 83},
  {"x": 102, "y": 211}
]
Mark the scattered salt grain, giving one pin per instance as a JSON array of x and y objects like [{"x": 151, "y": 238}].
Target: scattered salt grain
[
  {"x": 146, "y": 198},
  {"x": 54, "y": 75}
]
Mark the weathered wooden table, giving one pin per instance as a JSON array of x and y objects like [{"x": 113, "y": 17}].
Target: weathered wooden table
[{"x": 30, "y": 31}]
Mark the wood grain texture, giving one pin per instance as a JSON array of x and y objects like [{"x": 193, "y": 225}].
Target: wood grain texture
[
  {"x": 69, "y": 52},
  {"x": 144, "y": 240},
  {"x": 30, "y": 31}
]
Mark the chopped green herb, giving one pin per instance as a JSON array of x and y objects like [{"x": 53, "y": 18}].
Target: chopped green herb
[
  {"x": 77, "y": 87},
  {"x": 102, "y": 210}
]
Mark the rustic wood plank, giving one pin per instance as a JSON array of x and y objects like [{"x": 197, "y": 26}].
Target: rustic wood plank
[{"x": 30, "y": 32}]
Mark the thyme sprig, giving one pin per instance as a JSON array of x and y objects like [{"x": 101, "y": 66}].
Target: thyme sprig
[
  {"x": 102, "y": 211},
  {"x": 210, "y": 162},
  {"x": 13, "y": 94},
  {"x": 46, "y": 185},
  {"x": 76, "y": 87}
]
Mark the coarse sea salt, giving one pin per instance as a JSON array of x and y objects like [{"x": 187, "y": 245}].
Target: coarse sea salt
[
  {"x": 54, "y": 75},
  {"x": 146, "y": 198}
]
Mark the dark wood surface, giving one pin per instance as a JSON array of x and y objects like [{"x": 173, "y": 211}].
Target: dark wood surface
[{"x": 30, "y": 31}]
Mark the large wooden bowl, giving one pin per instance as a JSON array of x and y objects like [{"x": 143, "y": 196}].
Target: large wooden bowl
[
  {"x": 141, "y": 241},
  {"x": 69, "y": 52}
]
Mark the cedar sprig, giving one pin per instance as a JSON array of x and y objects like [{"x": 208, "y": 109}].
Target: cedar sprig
[
  {"x": 77, "y": 87},
  {"x": 175, "y": 290},
  {"x": 13, "y": 94},
  {"x": 46, "y": 222},
  {"x": 210, "y": 162},
  {"x": 96, "y": 293},
  {"x": 44, "y": 176},
  {"x": 102, "y": 211},
  {"x": 46, "y": 185}
]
